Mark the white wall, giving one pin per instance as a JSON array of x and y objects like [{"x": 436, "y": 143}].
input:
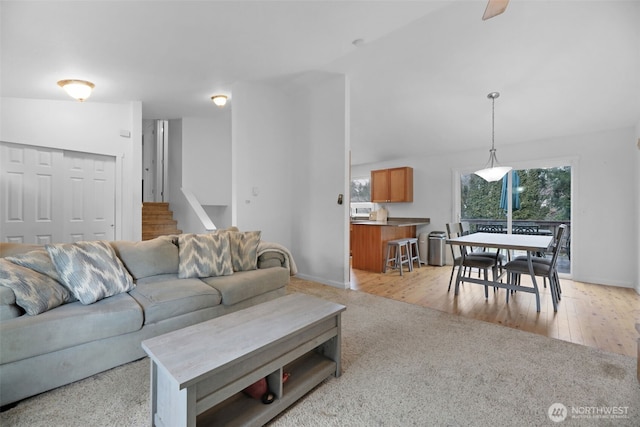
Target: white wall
[
  {"x": 262, "y": 141},
  {"x": 88, "y": 127},
  {"x": 321, "y": 170},
  {"x": 605, "y": 203},
  {"x": 206, "y": 150},
  {"x": 290, "y": 162}
]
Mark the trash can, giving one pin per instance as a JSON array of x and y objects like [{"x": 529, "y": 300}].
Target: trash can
[{"x": 436, "y": 247}]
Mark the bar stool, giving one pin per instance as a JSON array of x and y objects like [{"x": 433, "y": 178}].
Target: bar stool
[
  {"x": 414, "y": 253},
  {"x": 398, "y": 253}
]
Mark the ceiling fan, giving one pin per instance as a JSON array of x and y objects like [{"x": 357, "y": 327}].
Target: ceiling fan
[{"x": 494, "y": 7}]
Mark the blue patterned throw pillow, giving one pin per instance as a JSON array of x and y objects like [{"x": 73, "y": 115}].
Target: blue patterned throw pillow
[
  {"x": 204, "y": 255},
  {"x": 91, "y": 270},
  {"x": 35, "y": 292},
  {"x": 38, "y": 260},
  {"x": 244, "y": 249}
]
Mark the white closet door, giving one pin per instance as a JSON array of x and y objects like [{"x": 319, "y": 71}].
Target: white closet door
[
  {"x": 52, "y": 196},
  {"x": 30, "y": 177},
  {"x": 89, "y": 208}
]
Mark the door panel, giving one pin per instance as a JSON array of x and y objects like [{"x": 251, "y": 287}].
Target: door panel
[
  {"x": 90, "y": 190},
  {"x": 51, "y": 195},
  {"x": 29, "y": 177}
]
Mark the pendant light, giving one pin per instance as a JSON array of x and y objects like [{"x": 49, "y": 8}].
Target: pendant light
[{"x": 492, "y": 170}]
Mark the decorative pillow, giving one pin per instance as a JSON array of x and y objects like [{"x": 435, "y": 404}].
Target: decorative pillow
[
  {"x": 244, "y": 249},
  {"x": 91, "y": 270},
  {"x": 204, "y": 255},
  {"x": 35, "y": 292},
  {"x": 38, "y": 260},
  {"x": 149, "y": 257}
]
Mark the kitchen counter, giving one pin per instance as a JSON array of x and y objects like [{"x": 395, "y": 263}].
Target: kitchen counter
[
  {"x": 394, "y": 222},
  {"x": 369, "y": 240}
]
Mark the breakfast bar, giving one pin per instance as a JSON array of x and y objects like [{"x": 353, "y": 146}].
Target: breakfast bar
[{"x": 369, "y": 240}]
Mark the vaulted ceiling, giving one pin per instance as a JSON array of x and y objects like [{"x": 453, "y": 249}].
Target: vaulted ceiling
[{"x": 419, "y": 77}]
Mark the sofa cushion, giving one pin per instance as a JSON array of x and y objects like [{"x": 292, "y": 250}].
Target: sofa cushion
[
  {"x": 204, "y": 255},
  {"x": 10, "y": 311},
  {"x": 67, "y": 326},
  {"x": 165, "y": 296},
  {"x": 247, "y": 284},
  {"x": 148, "y": 257},
  {"x": 244, "y": 249},
  {"x": 7, "y": 297},
  {"x": 34, "y": 292},
  {"x": 91, "y": 270}
]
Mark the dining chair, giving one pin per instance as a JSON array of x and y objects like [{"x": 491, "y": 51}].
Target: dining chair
[
  {"x": 542, "y": 267},
  {"x": 542, "y": 258},
  {"x": 500, "y": 258},
  {"x": 464, "y": 260}
]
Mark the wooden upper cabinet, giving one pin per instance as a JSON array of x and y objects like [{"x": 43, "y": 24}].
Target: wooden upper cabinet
[{"x": 392, "y": 185}]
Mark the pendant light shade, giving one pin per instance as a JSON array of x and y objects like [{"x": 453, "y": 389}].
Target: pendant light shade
[
  {"x": 78, "y": 89},
  {"x": 492, "y": 170}
]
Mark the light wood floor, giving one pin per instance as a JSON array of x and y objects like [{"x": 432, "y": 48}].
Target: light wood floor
[{"x": 593, "y": 315}]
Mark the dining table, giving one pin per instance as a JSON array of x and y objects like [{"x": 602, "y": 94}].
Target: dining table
[{"x": 532, "y": 244}]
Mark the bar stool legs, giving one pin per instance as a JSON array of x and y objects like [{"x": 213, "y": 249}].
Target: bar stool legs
[
  {"x": 414, "y": 253},
  {"x": 398, "y": 253}
]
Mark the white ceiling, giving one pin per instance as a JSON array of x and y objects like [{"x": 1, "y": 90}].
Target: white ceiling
[{"x": 419, "y": 81}]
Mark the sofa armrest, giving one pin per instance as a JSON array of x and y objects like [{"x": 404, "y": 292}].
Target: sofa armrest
[
  {"x": 8, "y": 307},
  {"x": 271, "y": 259}
]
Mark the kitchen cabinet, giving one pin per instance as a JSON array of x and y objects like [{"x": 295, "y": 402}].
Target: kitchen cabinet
[{"x": 392, "y": 185}]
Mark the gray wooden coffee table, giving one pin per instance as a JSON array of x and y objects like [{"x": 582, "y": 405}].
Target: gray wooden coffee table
[{"x": 198, "y": 373}]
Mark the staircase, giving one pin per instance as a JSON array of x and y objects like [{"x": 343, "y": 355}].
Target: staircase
[{"x": 157, "y": 220}]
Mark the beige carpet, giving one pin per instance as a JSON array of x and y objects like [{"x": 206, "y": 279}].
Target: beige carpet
[{"x": 403, "y": 365}]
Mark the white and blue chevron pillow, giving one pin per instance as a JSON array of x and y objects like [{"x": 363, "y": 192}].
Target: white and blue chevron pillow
[
  {"x": 244, "y": 249},
  {"x": 38, "y": 260},
  {"x": 35, "y": 292},
  {"x": 204, "y": 255},
  {"x": 91, "y": 270}
]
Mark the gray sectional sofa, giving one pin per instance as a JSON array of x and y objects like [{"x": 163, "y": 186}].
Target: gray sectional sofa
[{"x": 76, "y": 339}]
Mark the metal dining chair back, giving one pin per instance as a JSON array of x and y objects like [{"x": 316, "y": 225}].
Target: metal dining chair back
[{"x": 542, "y": 267}]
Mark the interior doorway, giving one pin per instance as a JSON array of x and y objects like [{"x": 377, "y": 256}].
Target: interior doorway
[{"x": 155, "y": 148}]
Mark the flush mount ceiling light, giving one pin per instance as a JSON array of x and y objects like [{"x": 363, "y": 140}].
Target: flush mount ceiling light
[
  {"x": 219, "y": 100},
  {"x": 78, "y": 89},
  {"x": 492, "y": 170}
]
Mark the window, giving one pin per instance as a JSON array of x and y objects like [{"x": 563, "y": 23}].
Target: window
[
  {"x": 540, "y": 201},
  {"x": 360, "y": 190}
]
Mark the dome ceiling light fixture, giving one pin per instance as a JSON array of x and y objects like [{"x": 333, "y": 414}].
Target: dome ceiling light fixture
[
  {"x": 492, "y": 170},
  {"x": 219, "y": 100},
  {"x": 77, "y": 89}
]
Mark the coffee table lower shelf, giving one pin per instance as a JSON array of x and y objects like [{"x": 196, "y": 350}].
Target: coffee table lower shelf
[{"x": 240, "y": 410}]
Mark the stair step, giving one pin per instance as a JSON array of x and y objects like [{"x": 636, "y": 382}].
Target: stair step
[
  {"x": 157, "y": 220},
  {"x": 153, "y": 235},
  {"x": 155, "y": 211},
  {"x": 152, "y": 222},
  {"x": 168, "y": 228},
  {"x": 156, "y": 216}
]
